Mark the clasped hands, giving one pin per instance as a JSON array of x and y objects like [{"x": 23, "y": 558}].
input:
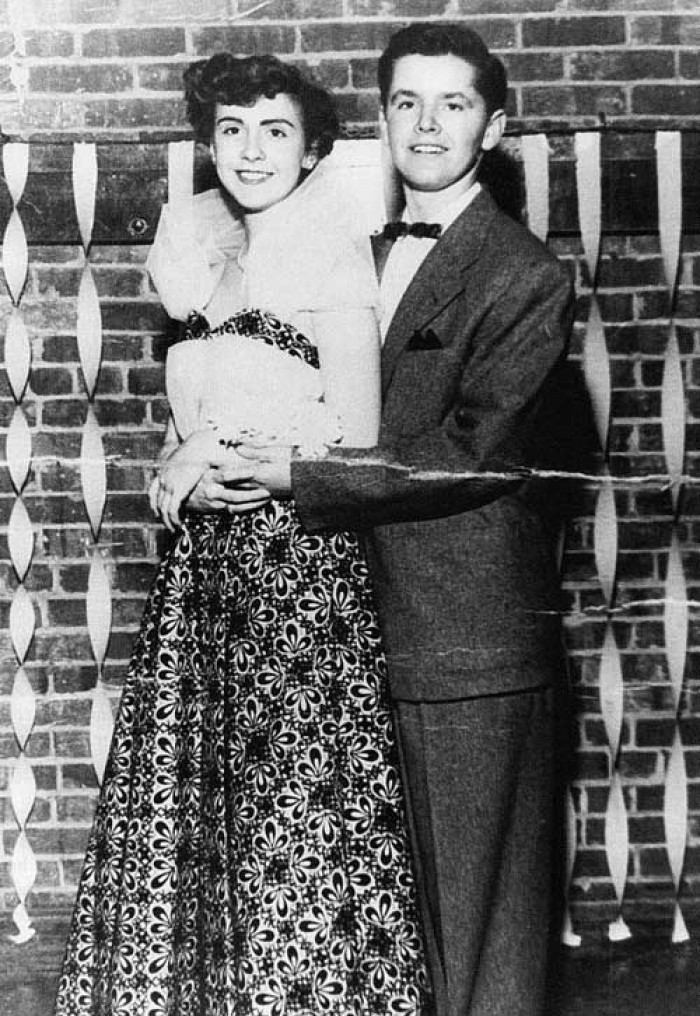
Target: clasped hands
[{"x": 209, "y": 478}]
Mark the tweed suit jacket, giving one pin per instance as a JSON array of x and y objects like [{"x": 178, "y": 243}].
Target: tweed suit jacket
[{"x": 462, "y": 563}]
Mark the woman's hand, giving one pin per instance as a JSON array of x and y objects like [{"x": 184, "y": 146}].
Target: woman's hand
[{"x": 179, "y": 475}]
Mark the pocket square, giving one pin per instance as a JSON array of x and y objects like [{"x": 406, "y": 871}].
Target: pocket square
[{"x": 424, "y": 340}]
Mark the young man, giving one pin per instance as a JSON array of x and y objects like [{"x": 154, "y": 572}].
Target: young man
[{"x": 476, "y": 321}]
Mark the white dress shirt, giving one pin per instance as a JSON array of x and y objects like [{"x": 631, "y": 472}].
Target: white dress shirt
[{"x": 408, "y": 253}]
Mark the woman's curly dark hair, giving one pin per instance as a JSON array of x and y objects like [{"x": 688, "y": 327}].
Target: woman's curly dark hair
[{"x": 241, "y": 81}]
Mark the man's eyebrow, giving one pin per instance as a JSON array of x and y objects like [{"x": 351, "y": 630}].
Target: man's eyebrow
[{"x": 407, "y": 93}]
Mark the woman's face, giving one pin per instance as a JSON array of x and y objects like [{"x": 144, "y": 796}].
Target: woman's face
[{"x": 260, "y": 151}]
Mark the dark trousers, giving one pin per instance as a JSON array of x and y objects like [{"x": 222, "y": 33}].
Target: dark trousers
[{"x": 478, "y": 777}]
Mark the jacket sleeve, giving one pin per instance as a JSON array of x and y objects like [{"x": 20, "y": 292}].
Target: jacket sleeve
[{"x": 487, "y": 443}]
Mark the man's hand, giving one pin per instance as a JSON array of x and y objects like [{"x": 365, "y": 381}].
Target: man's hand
[
  {"x": 270, "y": 467},
  {"x": 211, "y": 493}
]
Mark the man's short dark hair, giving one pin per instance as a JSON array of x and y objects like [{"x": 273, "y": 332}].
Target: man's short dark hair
[
  {"x": 241, "y": 81},
  {"x": 441, "y": 39}
]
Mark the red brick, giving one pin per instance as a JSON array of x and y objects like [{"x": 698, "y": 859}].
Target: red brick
[
  {"x": 81, "y": 78},
  {"x": 55, "y": 43},
  {"x": 243, "y": 40},
  {"x": 296, "y": 10},
  {"x": 134, "y": 42},
  {"x": 130, "y": 114},
  {"x": 666, "y": 100},
  {"x": 579, "y": 100},
  {"x": 161, "y": 77},
  {"x": 577, "y": 31},
  {"x": 624, "y": 66},
  {"x": 665, "y": 30}
]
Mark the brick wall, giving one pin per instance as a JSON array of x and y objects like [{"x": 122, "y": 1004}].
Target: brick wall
[
  {"x": 114, "y": 66},
  {"x": 109, "y": 71}
]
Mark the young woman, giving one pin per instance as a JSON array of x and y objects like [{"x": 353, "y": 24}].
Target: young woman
[{"x": 249, "y": 853}]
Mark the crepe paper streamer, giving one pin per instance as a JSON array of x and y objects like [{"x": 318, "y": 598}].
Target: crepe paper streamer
[
  {"x": 93, "y": 472},
  {"x": 535, "y": 149},
  {"x": 596, "y": 372},
  {"x": 588, "y": 187},
  {"x": 22, "y": 789},
  {"x": 670, "y": 199},
  {"x": 676, "y": 619},
  {"x": 22, "y": 707},
  {"x": 568, "y": 935},
  {"x": 98, "y": 607},
  {"x": 20, "y": 538},
  {"x": 180, "y": 172},
  {"x": 18, "y": 354},
  {"x": 22, "y": 622},
  {"x": 101, "y": 727},
  {"x": 23, "y": 871},
  {"x": 676, "y": 826},
  {"x": 611, "y": 691},
  {"x": 84, "y": 189},
  {"x": 18, "y": 449},
  {"x": 15, "y": 257},
  {"x": 15, "y": 166},
  {"x": 89, "y": 330},
  {"x": 673, "y": 415},
  {"x": 617, "y": 851},
  {"x": 605, "y": 537},
  {"x": 15, "y": 159}
]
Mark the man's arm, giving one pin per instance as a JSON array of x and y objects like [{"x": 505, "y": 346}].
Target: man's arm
[{"x": 485, "y": 445}]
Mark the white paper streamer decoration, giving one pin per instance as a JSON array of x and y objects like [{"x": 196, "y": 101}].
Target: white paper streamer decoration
[
  {"x": 15, "y": 262},
  {"x": 93, "y": 465},
  {"x": 18, "y": 449},
  {"x": 568, "y": 935},
  {"x": 596, "y": 371},
  {"x": 676, "y": 826},
  {"x": 605, "y": 537},
  {"x": 20, "y": 538},
  {"x": 535, "y": 149},
  {"x": 89, "y": 330},
  {"x": 673, "y": 415},
  {"x": 676, "y": 620},
  {"x": 22, "y": 622},
  {"x": 93, "y": 472},
  {"x": 15, "y": 258},
  {"x": 22, "y": 707},
  {"x": 85, "y": 189},
  {"x": 180, "y": 172},
  {"x": 101, "y": 727},
  {"x": 99, "y": 607},
  {"x": 18, "y": 354},
  {"x": 617, "y": 851},
  {"x": 588, "y": 187},
  {"x": 611, "y": 691},
  {"x": 670, "y": 198}
]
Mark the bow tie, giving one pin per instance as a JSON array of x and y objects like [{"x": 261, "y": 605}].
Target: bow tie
[{"x": 423, "y": 230}]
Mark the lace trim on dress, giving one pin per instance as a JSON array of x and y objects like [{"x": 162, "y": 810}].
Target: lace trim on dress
[{"x": 255, "y": 324}]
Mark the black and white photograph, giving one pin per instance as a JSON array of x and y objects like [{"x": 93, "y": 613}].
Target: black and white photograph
[{"x": 350, "y": 508}]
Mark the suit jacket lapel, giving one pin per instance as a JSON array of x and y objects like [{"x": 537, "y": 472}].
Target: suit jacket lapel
[{"x": 440, "y": 278}]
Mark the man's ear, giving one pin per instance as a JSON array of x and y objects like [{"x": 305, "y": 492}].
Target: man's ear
[
  {"x": 494, "y": 130},
  {"x": 383, "y": 128}
]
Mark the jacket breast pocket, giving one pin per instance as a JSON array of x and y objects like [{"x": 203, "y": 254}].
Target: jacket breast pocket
[{"x": 421, "y": 389}]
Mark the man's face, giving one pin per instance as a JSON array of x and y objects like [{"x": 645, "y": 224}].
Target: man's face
[{"x": 436, "y": 123}]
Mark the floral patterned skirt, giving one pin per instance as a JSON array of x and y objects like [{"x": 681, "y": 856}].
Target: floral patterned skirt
[{"x": 249, "y": 853}]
